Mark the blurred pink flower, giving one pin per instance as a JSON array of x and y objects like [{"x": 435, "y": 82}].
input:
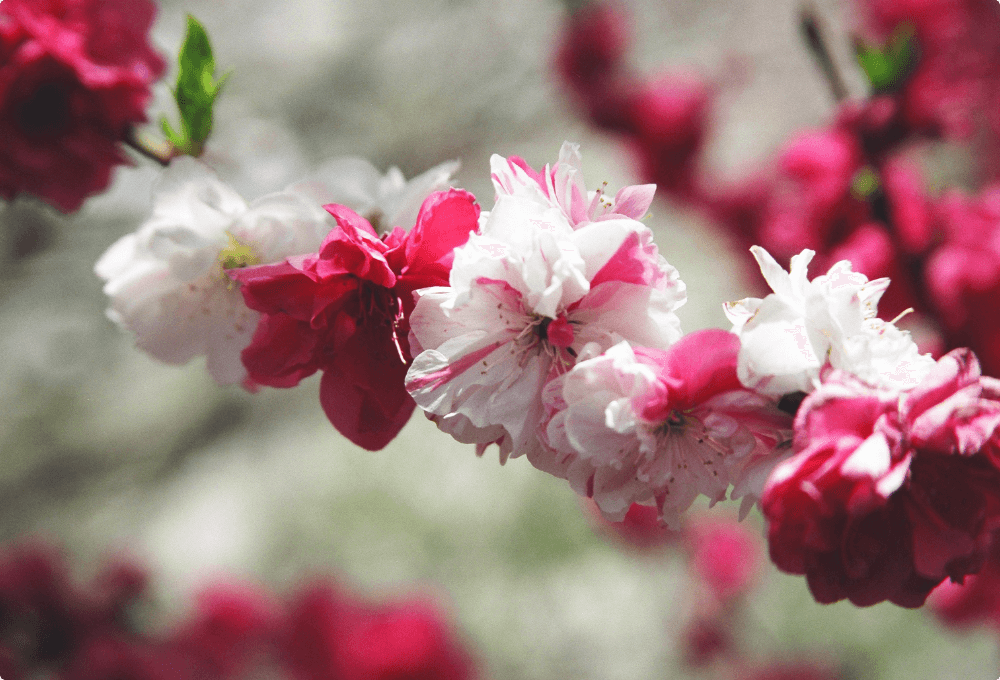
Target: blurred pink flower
[
  {"x": 75, "y": 75},
  {"x": 726, "y": 555},
  {"x": 963, "y": 273},
  {"x": 333, "y": 635}
]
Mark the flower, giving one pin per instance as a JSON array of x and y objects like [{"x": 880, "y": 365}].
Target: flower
[
  {"x": 334, "y": 635},
  {"x": 889, "y": 492},
  {"x": 75, "y": 76},
  {"x": 345, "y": 311},
  {"x": 643, "y": 425},
  {"x": 669, "y": 121},
  {"x": 789, "y": 335},
  {"x": 954, "y": 79},
  {"x": 963, "y": 273},
  {"x": 561, "y": 187},
  {"x": 525, "y": 295},
  {"x": 976, "y": 601},
  {"x": 726, "y": 556},
  {"x": 386, "y": 201},
  {"x": 639, "y": 530},
  {"x": 234, "y": 628},
  {"x": 167, "y": 280}
]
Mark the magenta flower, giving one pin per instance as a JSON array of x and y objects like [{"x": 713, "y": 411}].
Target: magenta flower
[
  {"x": 333, "y": 635},
  {"x": 889, "y": 493},
  {"x": 75, "y": 75},
  {"x": 345, "y": 311}
]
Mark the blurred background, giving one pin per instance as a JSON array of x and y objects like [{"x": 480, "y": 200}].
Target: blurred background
[{"x": 106, "y": 450}]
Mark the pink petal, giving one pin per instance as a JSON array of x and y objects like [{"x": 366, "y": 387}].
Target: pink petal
[
  {"x": 634, "y": 201},
  {"x": 445, "y": 221}
]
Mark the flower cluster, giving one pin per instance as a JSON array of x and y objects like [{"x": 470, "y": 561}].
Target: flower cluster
[
  {"x": 547, "y": 326},
  {"x": 889, "y": 491},
  {"x": 51, "y": 627},
  {"x": 75, "y": 76},
  {"x": 173, "y": 282},
  {"x": 849, "y": 190}
]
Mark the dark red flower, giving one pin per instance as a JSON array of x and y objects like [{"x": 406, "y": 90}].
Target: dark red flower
[
  {"x": 706, "y": 640},
  {"x": 345, "y": 311},
  {"x": 888, "y": 495},
  {"x": 591, "y": 62},
  {"x": 124, "y": 657},
  {"x": 75, "y": 75}
]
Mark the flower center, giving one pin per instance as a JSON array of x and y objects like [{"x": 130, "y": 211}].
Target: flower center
[
  {"x": 237, "y": 254},
  {"x": 552, "y": 337},
  {"x": 675, "y": 423},
  {"x": 45, "y": 113}
]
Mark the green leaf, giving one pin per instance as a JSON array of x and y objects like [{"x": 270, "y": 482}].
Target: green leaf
[
  {"x": 887, "y": 67},
  {"x": 196, "y": 91}
]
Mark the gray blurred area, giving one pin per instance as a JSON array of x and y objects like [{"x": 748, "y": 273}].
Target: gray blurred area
[{"x": 104, "y": 449}]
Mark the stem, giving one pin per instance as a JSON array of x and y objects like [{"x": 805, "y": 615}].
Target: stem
[
  {"x": 809, "y": 23},
  {"x": 161, "y": 152}
]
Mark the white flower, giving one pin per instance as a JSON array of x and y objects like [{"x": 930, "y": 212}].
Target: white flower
[
  {"x": 386, "y": 201},
  {"x": 790, "y": 334},
  {"x": 166, "y": 281},
  {"x": 525, "y": 296}
]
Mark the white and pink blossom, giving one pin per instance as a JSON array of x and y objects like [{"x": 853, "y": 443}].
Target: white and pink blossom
[
  {"x": 660, "y": 427},
  {"x": 561, "y": 186},
  {"x": 525, "y": 296},
  {"x": 788, "y": 336},
  {"x": 167, "y": 283}
]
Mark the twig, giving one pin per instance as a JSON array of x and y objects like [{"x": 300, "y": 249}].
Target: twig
[
  {"x": 161, "y": 153},
  {"x": 809, "y": 23}
]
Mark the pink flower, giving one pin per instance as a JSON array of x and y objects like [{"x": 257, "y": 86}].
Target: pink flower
[
  {"x": 547, "y": 258},
  {"x": 125, "y": 656},
  {"x": 75, "y": 75},
  {"x": 669, "y": 120},
  {"x": 335, "y": 636},
  {"x": 234, "y": 629},
  {"x": 726, "y": 555},
  {"x": 660, "y": 426},
  {"x": 639, "y": 530},
  {"x": 790, "y": 671},
  {"x": 591, "y": 61},
  {"x": 963, "y": 274},
  {"x": 345, "y": 311},
  {"x": 812, "y": 205},
  {"x": 958, "y": 45},
  {"x": 888, "y": 494}
]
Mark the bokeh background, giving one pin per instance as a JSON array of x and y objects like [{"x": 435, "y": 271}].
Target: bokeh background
[{"x": 106, "y": 450}]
